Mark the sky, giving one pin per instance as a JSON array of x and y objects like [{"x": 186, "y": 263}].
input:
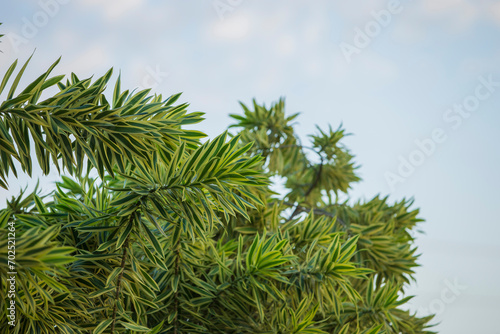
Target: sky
[{"x": 417, "y": 83}]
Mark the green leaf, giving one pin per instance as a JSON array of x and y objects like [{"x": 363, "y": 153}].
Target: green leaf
[
  {"x": 113, "y": 275},
  {"x": 157, "y": 328},
  {"x": 102, "y": 326},
  {"x": 134, "y": 327},
  {"x": 101, "y": 292},
  {"x": 150, "y": 280},
  {"x": 17, "y": 79},
  {"x": 7, "y": 75},
  {"x": 123, "y": 235},
  {"x": 153, "y": 241}
]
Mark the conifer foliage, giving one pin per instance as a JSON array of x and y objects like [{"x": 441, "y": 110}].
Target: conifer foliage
[{"x": 153, "y": 230}]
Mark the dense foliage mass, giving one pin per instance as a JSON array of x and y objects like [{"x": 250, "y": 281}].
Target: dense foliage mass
[{"x": 154, "y": 231}]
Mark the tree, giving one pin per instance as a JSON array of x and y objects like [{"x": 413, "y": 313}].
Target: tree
[{"x": 152, "y": 230}]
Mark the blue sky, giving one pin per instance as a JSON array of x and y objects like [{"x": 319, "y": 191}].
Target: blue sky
[{"x": 426, "y": 57}]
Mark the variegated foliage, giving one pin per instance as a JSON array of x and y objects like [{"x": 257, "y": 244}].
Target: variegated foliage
[{"x": 152, "y": 230}]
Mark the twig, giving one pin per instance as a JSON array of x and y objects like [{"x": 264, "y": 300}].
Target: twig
[
  {"x": 314, "y": 184},
  {"x": 320, "y": 212},
  {"x": 118, "y": 284},
  {"x": 176, "y": 294}
]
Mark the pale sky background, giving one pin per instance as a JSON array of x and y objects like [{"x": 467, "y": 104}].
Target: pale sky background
[{"x": 396, "y": 90}]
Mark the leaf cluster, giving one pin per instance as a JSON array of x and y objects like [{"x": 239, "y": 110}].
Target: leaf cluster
[{"x": 172, "y": 235}]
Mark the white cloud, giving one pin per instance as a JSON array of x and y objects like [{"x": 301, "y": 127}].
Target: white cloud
[
  {"x": 113, "y": 9},
  {"x": 66, "y": 38},
  {"x": 360, "y": 12},
  {"x": 493, "y": 10},
  {"x": 409, "y": 31},
  {"x": 314, "y": 30},
  {"x": 234, "y": 27},
  {"x": 461, "y": 14},
  {"x": 88, "y": 62},
  {"x": 272, "y": 21},
  {"x": 421, "y": 20},
  {"x": 442, "y": 6}
]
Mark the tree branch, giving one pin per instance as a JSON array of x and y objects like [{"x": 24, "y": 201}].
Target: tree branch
[
  {"x": 320, "y": 212},
  {"x": 311, "y": 187},
  {"x": 176, "y": 294},
  {"x": 118, "y": 283}
]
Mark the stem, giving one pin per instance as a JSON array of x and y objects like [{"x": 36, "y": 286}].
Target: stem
[
  {"x": 118, "y": 284},
  {"x": 320, "y": 212},
  {"x": 176, "y": 294},
  {"x": 314, "y": 184},
  {"x": 298, "y": 146},
  {"x": 357, "y": 316}
]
